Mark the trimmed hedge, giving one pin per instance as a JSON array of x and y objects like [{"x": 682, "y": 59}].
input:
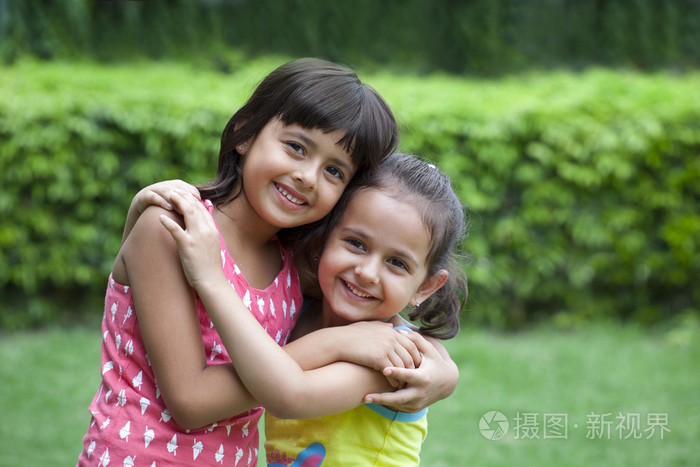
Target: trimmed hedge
[{"x": 583, "y": 189}]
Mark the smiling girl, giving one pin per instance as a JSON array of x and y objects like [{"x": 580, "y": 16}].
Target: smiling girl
[{"x": 169, "y": 393}]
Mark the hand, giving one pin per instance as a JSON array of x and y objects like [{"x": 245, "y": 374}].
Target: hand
[
  {"x": 159, "y": 194},
  {"x": 435, "y": 379},
  {"x": 377, "y": 345},
  {"x": 198, "y": 244}
]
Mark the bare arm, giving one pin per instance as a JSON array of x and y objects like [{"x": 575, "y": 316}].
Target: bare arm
[
  {"x": 268, "y": 371},
  {"x": 195, "y": 393},
  {"x": 373, "y": 344}
]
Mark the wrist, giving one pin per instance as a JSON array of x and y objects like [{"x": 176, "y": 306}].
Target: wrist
[
  {"x": 326, "y": 342},
  {"x": 209, "y": 285},
  {"x": 334, "y": 347}
]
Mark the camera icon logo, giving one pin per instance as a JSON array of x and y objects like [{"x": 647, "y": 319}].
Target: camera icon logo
[{"x": 493, "y": 425}]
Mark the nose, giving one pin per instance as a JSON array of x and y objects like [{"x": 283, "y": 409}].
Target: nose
[
  {"x": 306, "y": 175},
  {"x": 368, "y": 271}
]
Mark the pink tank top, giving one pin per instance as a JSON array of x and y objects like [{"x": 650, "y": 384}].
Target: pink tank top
[{"x": 130, "y": 424}]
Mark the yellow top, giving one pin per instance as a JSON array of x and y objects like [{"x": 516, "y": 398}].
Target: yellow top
[{"x": 368, "y": 435}]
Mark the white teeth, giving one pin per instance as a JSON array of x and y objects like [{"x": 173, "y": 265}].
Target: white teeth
[
  {"x": 289, "y": 196},
  {"x": 359, "y": 293}
]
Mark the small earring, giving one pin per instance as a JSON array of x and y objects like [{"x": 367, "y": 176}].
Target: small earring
[
  {"x": 240, "y": 148},
  {"x": 416, "y": 306}
]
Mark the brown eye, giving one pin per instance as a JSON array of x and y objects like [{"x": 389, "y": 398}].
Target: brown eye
[
  {"x": 335, "y": 172},
  {"x": 398, "y": 263},
  {"x": 296, "y": 147},
  {"x": 353, "y": 242}
]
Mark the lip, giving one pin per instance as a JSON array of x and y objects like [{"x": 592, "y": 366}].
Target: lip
[
  {"x": 353, "y": 291},
  {"x": 290, "y": 197}
]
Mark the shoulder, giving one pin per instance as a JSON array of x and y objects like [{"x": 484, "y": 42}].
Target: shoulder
[
  {"x": 150, "y": 244},
  {"x": 399, "y": 321},
  {"x": 148, "y": 225}
]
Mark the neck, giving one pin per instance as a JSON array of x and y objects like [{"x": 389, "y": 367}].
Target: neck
[
  {"x": 237, "y": 220},
  {"x": 329, "y": 319}
]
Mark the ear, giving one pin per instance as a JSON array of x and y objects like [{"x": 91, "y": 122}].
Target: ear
[
  {"x": 242, "y": 148},
  {"x": 430, "y": 286}
]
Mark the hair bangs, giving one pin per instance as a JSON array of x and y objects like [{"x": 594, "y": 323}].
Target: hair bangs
[{"x": 368, "y": 127}]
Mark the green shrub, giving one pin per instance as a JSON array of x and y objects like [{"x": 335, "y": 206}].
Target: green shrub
[
  {"x": 583, "y": 189},
  {"x": 76, "y": 143}
]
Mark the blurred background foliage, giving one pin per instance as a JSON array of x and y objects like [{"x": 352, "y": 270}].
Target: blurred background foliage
[
  {"x": 570, "y": 128},
  {"x": 460, "y": 36}
]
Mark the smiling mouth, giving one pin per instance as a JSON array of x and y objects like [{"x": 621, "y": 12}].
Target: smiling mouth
[
  {"x": 289, "y": 196},
  {"x": 357, "y": 291}
]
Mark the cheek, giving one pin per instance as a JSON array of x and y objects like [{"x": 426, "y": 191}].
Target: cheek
[
  {"x": 326, "y": 279},
  {"x": 398, "y": 292},
  {"x": 328, "y": 262},
  {"x": 331, "y": 263},
  {"x": 324, "y": 270},
  {"x": 329, "y": 198}
]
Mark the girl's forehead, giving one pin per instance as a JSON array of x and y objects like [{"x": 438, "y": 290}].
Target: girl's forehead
[
  {"x": 383, "y": 196},
  {"x": 373, "y": 204}
]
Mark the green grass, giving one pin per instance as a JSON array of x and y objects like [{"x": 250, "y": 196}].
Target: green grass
[
  {"x": 595, "y": 370},
  {"x": 49, "y": 377}
]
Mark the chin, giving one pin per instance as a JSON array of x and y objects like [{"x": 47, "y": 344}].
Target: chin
[{"x": 348, "y": 317}]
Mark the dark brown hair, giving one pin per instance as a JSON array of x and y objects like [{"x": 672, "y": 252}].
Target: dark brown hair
[{"x": 312, "y": 93}]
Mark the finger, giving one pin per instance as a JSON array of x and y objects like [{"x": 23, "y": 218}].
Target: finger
[
  {"x": 187, "y": 188},
  {"x": 185, "y": 196},
  {"x": 399, "y": 397},
  {"x": 422, "y": 344},
  {"x": 406, "y": 376},
  {"x": 391, "y": 359},
  {"x": 198, "y": 221},
  {"x": 411, "y": 349},
  {"x": 403, "y": 355},
  {"x": 393, "y": 382},
  {"x": 187, "y": 205},
  {"x": 194, "y": 192},
  {"x": 156, "y": 199}
]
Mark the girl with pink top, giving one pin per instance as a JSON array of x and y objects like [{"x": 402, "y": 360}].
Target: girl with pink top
[{"x": 169, "y": 393}]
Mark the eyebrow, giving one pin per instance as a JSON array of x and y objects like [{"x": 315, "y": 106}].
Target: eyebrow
[
  {"x": 300, "y": 134},
  {"x": 400, "y": 253}
]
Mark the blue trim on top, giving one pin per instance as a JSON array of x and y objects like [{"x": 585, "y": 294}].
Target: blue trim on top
[
  {"x": 397, "y": 416},
  {"x": 402, "y": 328}
]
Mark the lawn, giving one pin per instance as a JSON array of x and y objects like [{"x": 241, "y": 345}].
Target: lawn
[{"x": 599, "y": 395}]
